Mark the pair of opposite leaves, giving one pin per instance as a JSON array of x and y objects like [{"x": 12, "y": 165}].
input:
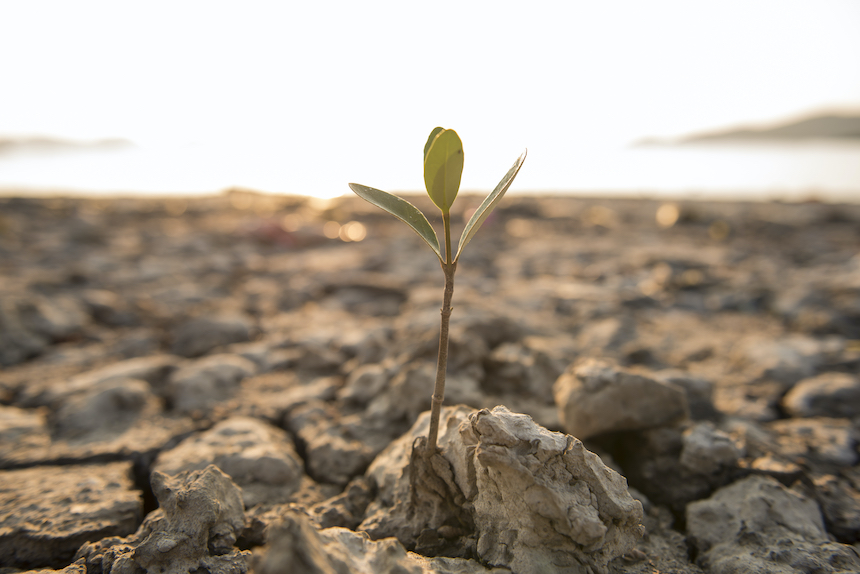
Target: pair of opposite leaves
[{"x": 443, "y": 166}]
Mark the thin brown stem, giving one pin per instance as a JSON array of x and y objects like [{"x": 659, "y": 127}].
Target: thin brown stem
[{"x": 448, "y": 267}]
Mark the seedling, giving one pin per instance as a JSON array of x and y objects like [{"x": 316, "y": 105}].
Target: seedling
[{"x": 443, "y": 166}]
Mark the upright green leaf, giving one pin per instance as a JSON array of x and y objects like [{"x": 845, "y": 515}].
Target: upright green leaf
[
  {"x": 443, "y": 166},
  {"x": 488, "y": 205},
  {"x": 430, "y": 139},
  {"x": 402, "y": 210}
]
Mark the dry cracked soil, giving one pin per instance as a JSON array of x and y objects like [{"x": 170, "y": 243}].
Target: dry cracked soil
[{"x": 234, "y": 384}]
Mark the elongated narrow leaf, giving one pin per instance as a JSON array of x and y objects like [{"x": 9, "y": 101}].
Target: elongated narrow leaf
[
  {"x": 443, "y": 166},
  {"x": 489, "y": 204},
  {"x": 430, "y": 139},
  {"x": 402, "y": 210}
]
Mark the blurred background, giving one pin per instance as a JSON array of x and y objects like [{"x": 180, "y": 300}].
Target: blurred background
[{"x": 736, "y": 99}]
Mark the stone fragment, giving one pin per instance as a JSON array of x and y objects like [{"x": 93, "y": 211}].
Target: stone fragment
[
  {"x": 294, "y": 545},
  {"x": 17, "y": 343},
  {"x": 532, "y": 500},
  {"x": 154, "y": 370},
  {"x": 596, "y": 396},
  {"x": 259, "y": 457},
  {"x": 831, "y": 394},
  {"x": 48, "y": 512},
  {"x": 758, "y": 525},
  {"x": 840, "y": 505},
  {"x": 56, "y": 318},
  {"x": 819, "y": 440},
  {"x": 103, "y": 411},
  {"x": 206, "y": 382},
  {"x": 22, "y": 429},
  {"x": 200, "y": 335},
  {"x": 336, "y": 447},
  {"x": 708, "y": 450},
  {"x": 347, "y": 508},
  {"x": 700, "y": 393},
  {"x": 199, "y": 518},
  {"x": 786, "y": 360}
]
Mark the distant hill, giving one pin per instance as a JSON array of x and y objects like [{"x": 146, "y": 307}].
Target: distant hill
[
  {"x": 831, "y": 126},
  {"x": 43, "y": 143}
]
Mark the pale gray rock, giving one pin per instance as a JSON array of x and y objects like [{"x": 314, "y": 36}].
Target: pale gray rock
[
  {"x": 200, "y": 516},
  {"x": 258, "y": 457},
  {"x": 708, "y": 450},
  {"x": 200, "y": 335},
  {"x": 17, "y": 343},
  {"x": 294, "y": 545},
  {"x": 336, "y": 447},
  {"x": 832, "y": 394},
  {"x": 365, "y": 383},
  {"x": 530, "y": 499},
  {"x": 529, "y": 367},
  {"x": 47, "y": 512},
  {"x": 406, "y": 395},
  {"x": 22, "y": 429},
  {"x": 758, "y": 525},
  {"x": 818, "y": 440},
  {"x": 104, "y": 411},
  {"x": 56, "y": 318},
  {"x": 595, "y": 396},
  {"x": 840, "y": 504},
  {"x": 700, "y": 393},
  {"x": 206, "y": 382},
  {"x": 154, "y": 370},
  {"x": 786, "y": 360}
]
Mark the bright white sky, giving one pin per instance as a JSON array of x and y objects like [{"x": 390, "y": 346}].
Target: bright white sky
[{"x": 348, "y": 91}]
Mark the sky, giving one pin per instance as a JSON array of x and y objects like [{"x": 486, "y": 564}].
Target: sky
[{"x": 332, "y": 92}]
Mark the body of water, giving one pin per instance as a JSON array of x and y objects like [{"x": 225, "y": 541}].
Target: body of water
[{"x": 826, "y": 171}]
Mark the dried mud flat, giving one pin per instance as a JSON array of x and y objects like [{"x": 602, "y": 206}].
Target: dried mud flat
[{"x": 233, "y": 384}]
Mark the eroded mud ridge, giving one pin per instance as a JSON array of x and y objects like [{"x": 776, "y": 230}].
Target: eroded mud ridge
[{"x": 236, "y": 384}]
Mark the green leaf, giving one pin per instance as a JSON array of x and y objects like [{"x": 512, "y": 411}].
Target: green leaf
[
  {"x": 488, "y": 205},
  {"x": 402, "y": 210},
  {"x": 432, "y": 137},
  {"x": 443, "y": 166}
]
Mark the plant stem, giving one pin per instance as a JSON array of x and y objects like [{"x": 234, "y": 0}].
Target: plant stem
[{"x": 448, "y": 267}]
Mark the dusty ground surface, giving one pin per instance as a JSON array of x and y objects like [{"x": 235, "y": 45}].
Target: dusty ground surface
[{"x": 708, "y": 352}]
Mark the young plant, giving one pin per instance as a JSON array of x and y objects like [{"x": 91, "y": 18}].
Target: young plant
[{"x": 443, "y": 166}]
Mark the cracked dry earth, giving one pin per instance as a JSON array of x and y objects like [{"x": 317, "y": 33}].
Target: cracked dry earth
[{"x": 235, "y": 384}]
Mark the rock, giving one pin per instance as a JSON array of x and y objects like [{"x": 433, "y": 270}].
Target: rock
[
  {"x": 365, "y": 383},
  {"x": 22, "y": 429},
  {"x": 336, "y": 447},
  {"x": 347, "y": 508},
  {"x": 17, "y": 344},
  {"x": 595, "y": 396},
  {"x": 56, "y": 318},
  {"x": 206, "y": 382},
  {"x": 700, "y": 393},
  {"x": 104, "y": 411},
  {"x": 786, "y": 360},
  {"x": 538, "y": 501},
  {"x": 199, "y": 519},
  {"x": 200, "y": 335},
  {"x": 816, "y": 440},
  {"x": 47, "y": 512},
  {"x": 294, "y": 545},
  {"x": 257, "y": 456},
  {"x": 707, "y": 450},
  {"x": 831, "y": 394},
  {"x": 530, "y": 367},
  {"x": 758, "y": 525},
  {"x": 840, "y": 505},
  {"x": 651, "y": 460},
  {"x": 154, "y": 370}
]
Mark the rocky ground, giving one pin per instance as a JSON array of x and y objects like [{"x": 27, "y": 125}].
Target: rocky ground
[{"x": 234, "y": 384}]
